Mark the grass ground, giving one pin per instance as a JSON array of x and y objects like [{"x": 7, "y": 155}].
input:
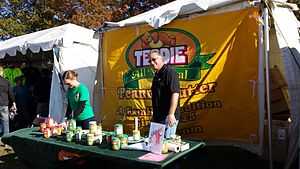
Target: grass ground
[{"x": 9, "y": 160}]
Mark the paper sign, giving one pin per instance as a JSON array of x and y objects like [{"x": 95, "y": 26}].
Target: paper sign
[
  {"x": 153, "y": 157},
  {"x": 156, "y": 137}
]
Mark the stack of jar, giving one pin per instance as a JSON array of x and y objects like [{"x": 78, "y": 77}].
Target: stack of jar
[
  {"x": 71, "y": 130},
  {"x": 120, "y": 140},
  {"x": 95, "y": 133},
  {"x": 51, "y": 128}
]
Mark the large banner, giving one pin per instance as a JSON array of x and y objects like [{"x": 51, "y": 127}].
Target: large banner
[{"x": 216, "y": 58}]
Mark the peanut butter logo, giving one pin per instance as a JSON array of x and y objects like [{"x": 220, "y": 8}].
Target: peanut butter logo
[{"x": 182, "y": 48}]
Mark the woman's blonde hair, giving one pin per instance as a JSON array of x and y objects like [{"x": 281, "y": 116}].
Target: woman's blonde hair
[{"x": 70, "y": 74}]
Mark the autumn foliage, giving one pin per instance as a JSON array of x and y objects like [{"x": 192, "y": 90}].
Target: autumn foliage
[{"x": 24, "y": 16}]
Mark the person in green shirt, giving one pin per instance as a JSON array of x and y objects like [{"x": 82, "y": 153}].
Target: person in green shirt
[{"x": 78, "y": 100}]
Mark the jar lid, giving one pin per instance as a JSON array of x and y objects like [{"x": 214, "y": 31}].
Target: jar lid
[{"x": 93, "y": 122}]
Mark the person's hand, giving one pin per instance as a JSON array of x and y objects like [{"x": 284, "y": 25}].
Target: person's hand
[
  {"x": 13, "y": 108},
  {"x": 13, "y": 111},
  {"x": 171, "y": 120}
]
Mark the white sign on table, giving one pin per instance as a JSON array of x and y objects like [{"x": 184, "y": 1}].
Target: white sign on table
[{"x": 156, "y": 137}]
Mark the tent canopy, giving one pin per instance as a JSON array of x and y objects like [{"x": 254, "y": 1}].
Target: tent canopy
[
  {"x": 63, "y": 35},
  {"x": 73, "y": 48},
  {"x": 165, "y": 14}
]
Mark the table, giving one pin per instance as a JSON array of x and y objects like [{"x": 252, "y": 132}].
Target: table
[{"x": 31, "y": 147}]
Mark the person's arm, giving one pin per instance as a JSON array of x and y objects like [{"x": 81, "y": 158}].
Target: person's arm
[
  {"x": 69, "y": 112},
  {"x": 11, "y": 98},
  {"x": 171, "y": 115},
  {"x": 173, "y": 82},
  {"x": 80, "y": 108}
]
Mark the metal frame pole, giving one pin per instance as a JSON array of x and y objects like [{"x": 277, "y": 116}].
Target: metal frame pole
[{"x": 267, "y": 66}]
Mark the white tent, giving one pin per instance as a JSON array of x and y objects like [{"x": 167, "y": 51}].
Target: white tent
[
  {"x": 74, "y": 47},
  {"x": 287, "y": 34},
  {"x": 166, "y": 13}
]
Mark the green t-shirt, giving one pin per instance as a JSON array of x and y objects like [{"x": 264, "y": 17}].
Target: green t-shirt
[
  {"x": 77, "y": 94},
  {"x": 11, "y": 73}
]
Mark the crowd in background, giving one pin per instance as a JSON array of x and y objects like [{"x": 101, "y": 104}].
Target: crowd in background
[{"x": 31, "y": 88}]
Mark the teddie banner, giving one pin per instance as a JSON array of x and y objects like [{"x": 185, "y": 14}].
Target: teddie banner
[
  {"x": 180, "y": 46},
  {"x": 216, "y": 59}
]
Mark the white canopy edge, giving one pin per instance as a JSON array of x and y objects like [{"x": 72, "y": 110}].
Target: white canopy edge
[
  {"x": 165, "y": 14},
  {"x": 63, "y": 35}
]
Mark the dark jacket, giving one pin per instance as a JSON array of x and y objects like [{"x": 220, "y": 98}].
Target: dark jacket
[{"x": 6, "y": 93}]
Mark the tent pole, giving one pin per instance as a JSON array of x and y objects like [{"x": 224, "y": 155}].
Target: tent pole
[{"x": 267, "y": 66}]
